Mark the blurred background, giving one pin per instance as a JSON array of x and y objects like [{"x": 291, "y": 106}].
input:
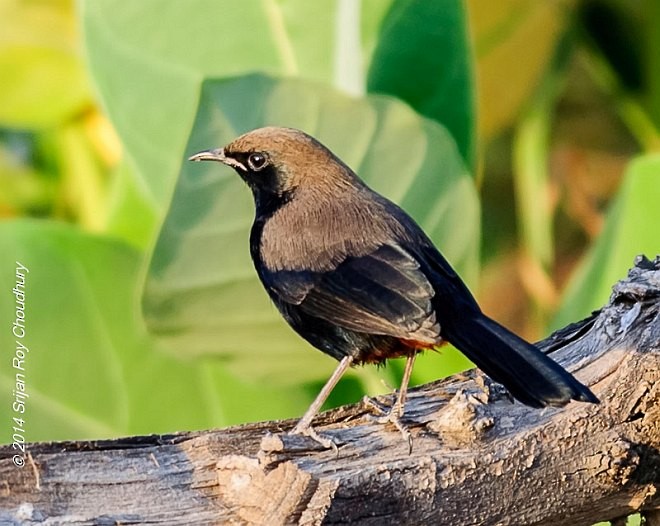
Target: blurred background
[{"x": 522, "y": 135}]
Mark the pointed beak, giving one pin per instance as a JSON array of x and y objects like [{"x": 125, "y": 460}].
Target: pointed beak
[{"x": 210, "y": 155}]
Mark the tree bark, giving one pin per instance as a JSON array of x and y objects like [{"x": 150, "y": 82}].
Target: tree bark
[{"x": 477, "y": 457}]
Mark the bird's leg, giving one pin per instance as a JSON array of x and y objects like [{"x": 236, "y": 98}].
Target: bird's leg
[
  {"x": 394, "y": 415},
  {"x": 304, "y": 425},
  {"x": 397, "y": 410}
]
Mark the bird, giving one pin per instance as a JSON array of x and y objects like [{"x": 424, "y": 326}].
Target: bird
[{"x": 354, "y": 275}]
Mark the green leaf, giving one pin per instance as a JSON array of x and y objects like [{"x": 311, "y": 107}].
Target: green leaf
[
  {"x": 631, "y": 229},
  {"x": 91, "y": 370},
  {"x": 131, "y": 216},
  {"x": 43, "y": 79},
  {"x": 533, "y": 191},
  {"x": 424, "y": 57},
  {"x": 530, "y": 176},
  {"x": 202, "y": 295},
  {"x": 83, "y": 179},
  {"x": 149, "y": 58},
  {"x": 507, "y": 77},
  {"x": 70, "y": 279}
]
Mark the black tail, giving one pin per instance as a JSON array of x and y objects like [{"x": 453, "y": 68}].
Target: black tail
[{"x": 529, "y": 375}]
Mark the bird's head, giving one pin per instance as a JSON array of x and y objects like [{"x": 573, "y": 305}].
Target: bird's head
[{"x": 277, "y": 160}]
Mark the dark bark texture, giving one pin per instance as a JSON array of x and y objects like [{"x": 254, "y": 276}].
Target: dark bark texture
[{"x": 478, "y": 458}]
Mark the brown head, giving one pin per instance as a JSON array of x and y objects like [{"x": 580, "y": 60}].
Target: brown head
[
  {"x": 311, "y": 208},
  {"x": 277, "y": 160}
]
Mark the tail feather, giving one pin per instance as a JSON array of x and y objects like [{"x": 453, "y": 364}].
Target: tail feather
[{"x": 530, "y": 376}]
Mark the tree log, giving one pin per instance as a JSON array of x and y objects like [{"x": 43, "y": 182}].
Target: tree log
[{"x": 478, "y": 458}]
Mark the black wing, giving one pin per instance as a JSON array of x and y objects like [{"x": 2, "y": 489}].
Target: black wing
[{"x": 383, "y": 292}]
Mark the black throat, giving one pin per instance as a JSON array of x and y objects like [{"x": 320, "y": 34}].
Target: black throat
[{"x": 267, "y": 203}]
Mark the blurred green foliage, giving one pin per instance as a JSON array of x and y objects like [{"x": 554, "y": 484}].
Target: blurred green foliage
[{"x": 536, "y": 116}]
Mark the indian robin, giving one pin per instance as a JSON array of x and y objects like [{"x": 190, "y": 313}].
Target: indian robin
[{"x": 355, "y": 276}]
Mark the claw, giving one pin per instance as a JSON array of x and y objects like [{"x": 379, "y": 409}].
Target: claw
[
  {"x": 371, "y": 405},
  {"x": 308, "y": 431},
  {"x": 393, "y": 416}
]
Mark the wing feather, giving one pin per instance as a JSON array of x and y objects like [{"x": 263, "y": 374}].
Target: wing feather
[{"x": 382, "y": 292}]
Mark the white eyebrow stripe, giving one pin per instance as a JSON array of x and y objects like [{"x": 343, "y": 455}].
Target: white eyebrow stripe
[{"x": 230, "y": 161}]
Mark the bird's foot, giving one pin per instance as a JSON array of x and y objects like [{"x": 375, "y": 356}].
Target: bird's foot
[
  {"x": 391, "y": 416},
  {"x": 376, "y": 408},
  {"x": 308, "y": 431}
]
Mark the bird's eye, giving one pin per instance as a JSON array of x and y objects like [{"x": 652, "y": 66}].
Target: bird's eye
[{"x": 257, "y": 161}]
